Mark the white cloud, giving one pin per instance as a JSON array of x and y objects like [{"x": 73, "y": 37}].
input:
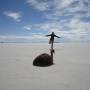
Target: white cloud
[
  {"x": 64, "y": 8},
  {"x": 79, "y": 30},
  {"x": 16, "y": 16},
  {"x": 34, "y": 36},
  {"x": 48, "y": 27},
  {"x": 45, "y": 5},
  {"x": 61, "y": 7},
  {"x": 39, "y": 5},
  {"x": 78, "y": 24},
  {"x": 61, "y": 4},
  {"x": 28, "y": 27},
  {"x": 17, "y": 39},
  {"x": 69, "y": 8},
  {"x": 79, "y": 27},
  {"x": 74, "y": 30}
]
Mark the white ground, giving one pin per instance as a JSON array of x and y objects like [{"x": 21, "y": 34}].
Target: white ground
[{"x": 71, "y": 70}]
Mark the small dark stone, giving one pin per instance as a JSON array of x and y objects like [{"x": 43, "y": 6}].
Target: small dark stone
[{"x": 43, "y": 60}]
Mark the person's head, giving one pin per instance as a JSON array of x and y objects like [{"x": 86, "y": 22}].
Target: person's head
[{"x": 52, "y": 32}]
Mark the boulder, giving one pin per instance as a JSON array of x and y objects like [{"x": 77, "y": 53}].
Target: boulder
[{"x": 43, "y": 60}]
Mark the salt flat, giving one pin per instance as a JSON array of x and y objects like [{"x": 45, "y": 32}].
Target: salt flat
[{"x": 71, "y": 69}]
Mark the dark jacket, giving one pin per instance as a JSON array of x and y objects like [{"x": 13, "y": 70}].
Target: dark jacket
[{"x": 52, "y": 37}]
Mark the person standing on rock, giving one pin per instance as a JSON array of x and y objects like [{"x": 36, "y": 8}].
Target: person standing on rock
[{"x": 52, "y": 37}]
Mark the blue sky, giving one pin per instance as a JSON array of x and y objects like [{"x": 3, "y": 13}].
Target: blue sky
[{"x": 31, "y": 20}]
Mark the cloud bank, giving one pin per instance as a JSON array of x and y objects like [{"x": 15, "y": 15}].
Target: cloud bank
[{"x": 67, "y": 18}]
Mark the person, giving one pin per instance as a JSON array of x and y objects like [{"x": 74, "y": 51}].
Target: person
[{"x": 52, "y": 37}]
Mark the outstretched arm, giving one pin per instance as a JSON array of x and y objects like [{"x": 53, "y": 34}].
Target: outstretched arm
[
  {"x": 56, "y": 36},
  {"x": 48, "y": 35}
]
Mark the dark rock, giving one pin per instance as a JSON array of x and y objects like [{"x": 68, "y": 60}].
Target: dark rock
[{"x": 43, "y": 60}]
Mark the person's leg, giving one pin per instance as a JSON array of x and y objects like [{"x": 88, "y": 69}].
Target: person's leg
[{"x": 50, "y": 41}]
